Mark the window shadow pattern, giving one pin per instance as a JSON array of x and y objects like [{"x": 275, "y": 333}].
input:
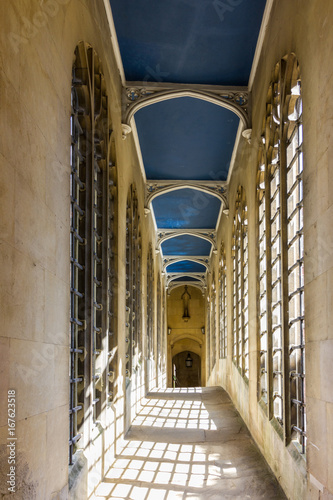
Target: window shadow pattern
[{"x": 188, "y": 444}]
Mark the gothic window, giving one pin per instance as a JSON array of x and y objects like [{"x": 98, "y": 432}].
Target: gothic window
[
  {"x": 295, "y": 244},
  {"x": 138, "y": 295},
  {"x": 208, "y": 354},
  {"x": 223, "y": 303},
  {"x": 150, "y": 303},
  {"x": 164, "y": 331},
  {"x": 213, "y": 319},
  {"x": 133, "y": 282},
  {"x": 93, "y": 190},
  {"x": 262, "y": 271},
  {"x": 111, "y": 307},
  {"x": 276, "y": 278},
  {"x": 158, "y": 323},
  {"x": 240, "y": 285},
  {"x": 280, "y": 222}
]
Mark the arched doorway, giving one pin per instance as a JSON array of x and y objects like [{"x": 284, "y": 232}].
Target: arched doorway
[{"x": 185, "y": 373}]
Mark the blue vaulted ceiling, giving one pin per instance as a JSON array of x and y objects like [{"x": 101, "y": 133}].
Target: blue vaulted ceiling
[
  {"x": 186, "y": 266},
  {"x": 182, "y": 139},
  {"x": 186, "y": 278},
  {"x": 186, "y": 209},
  {"x": 207, "y": 42},
  {"x": 186, "y": 245},
  {"x": 188, "y": 41}
]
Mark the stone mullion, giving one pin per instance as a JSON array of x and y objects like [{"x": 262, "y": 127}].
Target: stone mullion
[
  {"x": 111, "y": 289},
  {"x": 208, "y": 339},
  {"x": 89, "y": 266},
  {"x": 243, "y": 235},
  {"x": 139, "y": 294},
  {"x": 129, "y": 291},
  {"x": 134, "y": 288},
  {"x": 105, "y": 293},
  {"x": 225, "y": 310},
  {"x": 235, "y": 298},
  {"x": 214, "y": 326},
  {"x": 284, "y": 263},
  {"x": 93, "y": 244},
  {"x": 87, "y": 302},
  {"x": 239, "y": 274},
  {"x": 220, "y": 309},
  {"x": 269, "y": 361},
  {"x": 79, "y": 255},
  {"x": 133, "y": 282}
]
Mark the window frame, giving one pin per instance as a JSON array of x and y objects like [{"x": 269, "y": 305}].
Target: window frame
[
  {"x": 133, "y": 284},
  {"x": 223, "y": 312},
  {"x": 240, "y": 316},
  {"x": 280, "y": 126},
  {"x": 93, "y": 331}
]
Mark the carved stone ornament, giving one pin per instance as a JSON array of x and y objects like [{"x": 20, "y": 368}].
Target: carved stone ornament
[
  {"x": 126, "y": 129},
  {"x": 137, "y": 95},
  {"x": 218, "y": 189},
  {"x": 205, "y": 234},
  {"x": 203, "y": 260}
]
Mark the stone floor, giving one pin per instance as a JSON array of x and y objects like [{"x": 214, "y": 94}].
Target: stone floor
[{"x": 189, "y": 444}]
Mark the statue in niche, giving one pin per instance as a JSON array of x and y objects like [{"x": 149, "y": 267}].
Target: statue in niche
[{"x": 186, "y": 297}]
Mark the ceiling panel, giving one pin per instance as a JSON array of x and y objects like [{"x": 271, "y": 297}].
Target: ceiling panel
[
  {"x": 186, "y": 209},
  {"x": 186, "y": 138},
  {"x": 186, "y": 266},
  {"x": 188, "y": 41},
  {"x": 186, "y": 245},
  {"x": 186, "y": 278}
]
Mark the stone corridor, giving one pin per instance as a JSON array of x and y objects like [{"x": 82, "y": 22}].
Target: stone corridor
[{"x": 189, "y": 444}]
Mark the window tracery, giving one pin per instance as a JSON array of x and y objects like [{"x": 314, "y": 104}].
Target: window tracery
[
  {"x": 208, "y": 338},
  {"x": 133, "y": 283},
  {"x": 213, "y": 319},
  {"x": 150, "y": 303},
  {"x": 223, "y": 303},
  {"x": 240, "y": 285},
  {"x": 159, "y": 324},
  {"x": 280, "y": 222}
]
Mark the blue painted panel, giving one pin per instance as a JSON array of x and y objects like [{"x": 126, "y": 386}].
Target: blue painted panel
[
  {"x": 186, "y": 138},
  {"x": 186, "y": 245},
  {"x": 188, "y": 41},
  {"x": 186, "y": 278},
  {"x": 186, "y": 209},
  {"x": 186, "y": 266}
]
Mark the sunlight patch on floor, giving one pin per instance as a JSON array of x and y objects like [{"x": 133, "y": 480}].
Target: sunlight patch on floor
[{"x": 188, "y": 449}]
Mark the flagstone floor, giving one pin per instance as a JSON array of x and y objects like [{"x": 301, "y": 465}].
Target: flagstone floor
[{"x": 189, "y": 444}]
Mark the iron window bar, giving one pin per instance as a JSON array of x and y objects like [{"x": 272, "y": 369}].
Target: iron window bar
[
  {"x": 90, "y": 132},
  {"x": 76, "y": 278}
]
